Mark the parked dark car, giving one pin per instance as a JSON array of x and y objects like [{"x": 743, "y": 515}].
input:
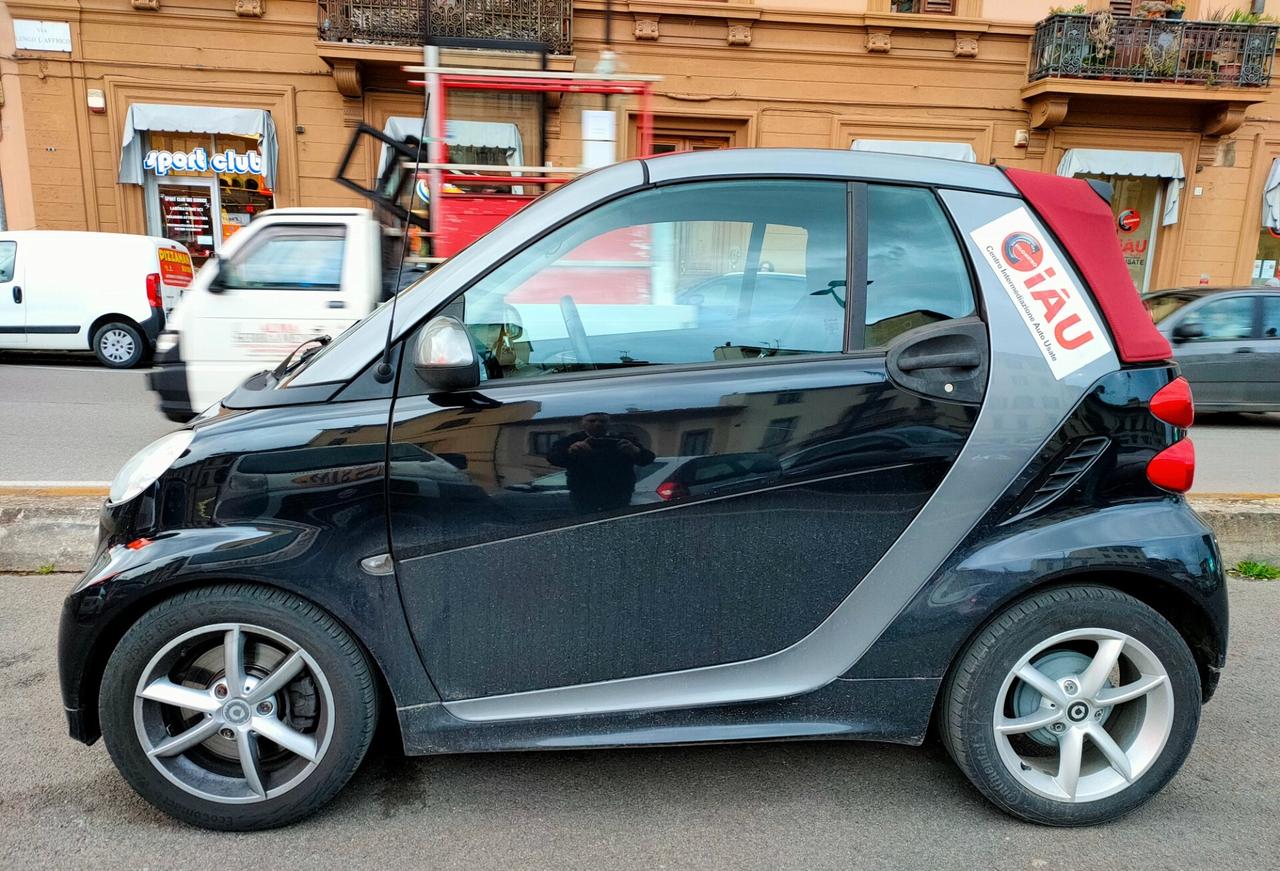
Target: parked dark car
[
  {"x": 1227, "y": 341},
  {"x": 974, "y": 519}
]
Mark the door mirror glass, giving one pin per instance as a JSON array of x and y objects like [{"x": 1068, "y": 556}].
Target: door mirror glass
[
  {"x": 218, "y": 283},
  {"x": 1188, "y": 330},
  {"x": 444, "y": 357}
]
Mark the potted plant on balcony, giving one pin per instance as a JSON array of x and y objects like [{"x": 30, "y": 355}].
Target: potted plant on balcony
[
  {"x": 1102, "y": 42},
  {"x": 1150, "y": 9},
  {"x": 1177, "y": 9}
]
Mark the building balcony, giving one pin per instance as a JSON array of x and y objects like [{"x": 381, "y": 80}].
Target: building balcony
[
  {"x": 492, "y": 24},
  {"x": 1222, "y": 67}
]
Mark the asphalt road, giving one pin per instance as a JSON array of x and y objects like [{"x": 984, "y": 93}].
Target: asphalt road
[
  {"x": 67, "y": 419},
  {"x": 773, "y": 806}
]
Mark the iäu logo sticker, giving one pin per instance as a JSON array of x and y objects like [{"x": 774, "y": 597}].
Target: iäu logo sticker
[{"x": 1050, "y": 303}]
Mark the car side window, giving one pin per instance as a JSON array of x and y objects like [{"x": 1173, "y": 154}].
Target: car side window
[
  {"x": 695, "y": 273},
  {"x": 1271, "y": 317},
  {"x": 1224, "y": 319},
  {"x": 299, "y": 257},
  {"x": 916, "y": 273},
  {"x": 8, "y": 258}
]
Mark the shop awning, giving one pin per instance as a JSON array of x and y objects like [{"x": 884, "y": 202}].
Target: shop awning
[
  {"x": 195, "y": 119},
  {"x": 1149, "y": 164},
  {"x": 1271, "y": 197},
  {"x": 919, "y": 147},
  {"x": 503, "y": 136}
]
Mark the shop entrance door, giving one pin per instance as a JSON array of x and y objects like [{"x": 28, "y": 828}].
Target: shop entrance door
[
  {"x": 1138, "y": 205},
  {"x": 186, "y": 210}
]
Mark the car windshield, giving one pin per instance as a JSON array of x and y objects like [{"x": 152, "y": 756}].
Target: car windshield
[{"x": 1162, "y": 305}]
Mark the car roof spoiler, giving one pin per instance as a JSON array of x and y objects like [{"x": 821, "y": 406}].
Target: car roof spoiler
[{"x": 1085, "y": 228}]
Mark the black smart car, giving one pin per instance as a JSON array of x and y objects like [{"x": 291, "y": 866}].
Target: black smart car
[{"x": 974, "y": 519}]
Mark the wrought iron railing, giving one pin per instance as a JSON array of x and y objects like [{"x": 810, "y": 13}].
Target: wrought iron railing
[
  {"x": 1105, "y": 46},
  {"x": 413, "y": 22}
]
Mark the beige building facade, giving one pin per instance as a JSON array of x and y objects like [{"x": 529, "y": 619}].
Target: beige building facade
[{"x": 1186, "y": 131}]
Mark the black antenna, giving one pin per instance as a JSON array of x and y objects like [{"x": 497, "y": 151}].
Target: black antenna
[{"x": 384, "y": 372}]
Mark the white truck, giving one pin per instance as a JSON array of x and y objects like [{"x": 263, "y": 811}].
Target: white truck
[{"x": 290, "y": 276}]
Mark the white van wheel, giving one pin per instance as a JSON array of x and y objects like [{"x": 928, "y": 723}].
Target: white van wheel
[{"x": 118, "y": 345}]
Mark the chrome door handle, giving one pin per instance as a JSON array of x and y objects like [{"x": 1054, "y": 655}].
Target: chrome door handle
[{"x": 337, "y": 303}]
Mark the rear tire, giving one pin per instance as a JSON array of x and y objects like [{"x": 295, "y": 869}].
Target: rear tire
[
  {"x": 302, "y": 712},
  {"x": 1073, "y": 707},
  {"x": 119, "y": 345}
]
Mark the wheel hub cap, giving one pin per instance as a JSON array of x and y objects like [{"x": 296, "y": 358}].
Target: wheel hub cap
[
  {"x": 236, "y": 712},
  {"x": 231, "y": 741},
  {"x": 1083, "y": 714}
]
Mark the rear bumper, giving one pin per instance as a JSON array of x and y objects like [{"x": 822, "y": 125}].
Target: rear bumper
[{"x": 152, "y": 326}]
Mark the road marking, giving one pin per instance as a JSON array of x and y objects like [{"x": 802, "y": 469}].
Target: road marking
[
  {"x": 74, "y": 368},
  {"x": 54, "y": 488}
]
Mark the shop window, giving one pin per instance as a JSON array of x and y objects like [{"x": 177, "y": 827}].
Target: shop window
[
  {"x": 916, "y": 274},
  {"x": 1266, "y": 259},
  {"x": 8, "y": 259},
  {"x": 306, "y": 258},
  {"x": 205, "y": 202}
]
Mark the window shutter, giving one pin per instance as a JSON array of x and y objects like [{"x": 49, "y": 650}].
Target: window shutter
[
  {"x": 1122, "y": 7},
  {"x": 939, "y": 7}
]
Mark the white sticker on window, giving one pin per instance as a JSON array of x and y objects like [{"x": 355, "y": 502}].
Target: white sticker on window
[{"x": 1051, "y": 304}]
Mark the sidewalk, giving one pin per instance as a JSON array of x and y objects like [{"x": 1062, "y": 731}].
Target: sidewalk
[{"x": 54, "y": 527}]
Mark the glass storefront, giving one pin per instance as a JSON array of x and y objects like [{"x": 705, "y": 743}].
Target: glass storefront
[
  {"x": 1266, "y": 259},
  {"x": 202, "y": 188},
  {"x": 1137, "y": 203}
]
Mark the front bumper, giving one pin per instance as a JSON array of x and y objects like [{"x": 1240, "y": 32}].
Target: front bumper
[{"x": 169, "y": 381}]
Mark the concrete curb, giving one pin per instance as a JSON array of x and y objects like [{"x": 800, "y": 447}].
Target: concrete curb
[{"x": 54, "y": 527}]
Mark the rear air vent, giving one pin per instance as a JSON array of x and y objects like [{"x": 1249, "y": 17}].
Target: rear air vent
[{"x": 1065, "y": 474}]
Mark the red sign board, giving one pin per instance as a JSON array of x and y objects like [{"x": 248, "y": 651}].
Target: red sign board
[
  {"x": 1129, "y": 220},
  {"x": 175, "y": 267}
]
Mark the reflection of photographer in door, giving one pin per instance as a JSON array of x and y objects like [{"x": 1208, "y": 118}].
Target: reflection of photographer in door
[{"x": 601, "y": 465}]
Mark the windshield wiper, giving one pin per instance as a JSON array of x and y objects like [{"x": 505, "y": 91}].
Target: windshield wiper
[{"x": 311, "y": 346}]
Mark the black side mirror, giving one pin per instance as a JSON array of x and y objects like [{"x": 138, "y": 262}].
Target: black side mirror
[
  {"x": 218, "y": 284},
  {"x": 445, "y": 359},
  {"x": 1188, "y": 330}
]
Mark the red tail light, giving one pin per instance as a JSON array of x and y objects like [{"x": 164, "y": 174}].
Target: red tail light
[
  {"x": 669, "y": 491},
  {"x": 1174, "y": 468},
  {"x": 1172, "y": 403},
  {"x": 153, "y": 291}
]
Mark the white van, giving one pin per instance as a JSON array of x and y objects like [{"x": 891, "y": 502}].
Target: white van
[
  {"x": 76, "y": 291},
  {"x": 292, "y": 275}
]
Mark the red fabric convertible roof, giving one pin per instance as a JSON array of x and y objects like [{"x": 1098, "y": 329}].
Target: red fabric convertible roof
[{"x": 1084, "y": 225}]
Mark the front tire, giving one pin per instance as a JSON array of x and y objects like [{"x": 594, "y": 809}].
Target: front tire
[
  {"x": 237, "y": 707},
  {"x": 119, "y": 345},
  {"x": 1073, "y": 707}
]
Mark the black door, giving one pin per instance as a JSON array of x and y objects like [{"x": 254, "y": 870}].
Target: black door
[{"x": 641, "y": 487}]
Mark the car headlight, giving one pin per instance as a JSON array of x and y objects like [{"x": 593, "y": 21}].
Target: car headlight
[{"x": 147, "y": 465}]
